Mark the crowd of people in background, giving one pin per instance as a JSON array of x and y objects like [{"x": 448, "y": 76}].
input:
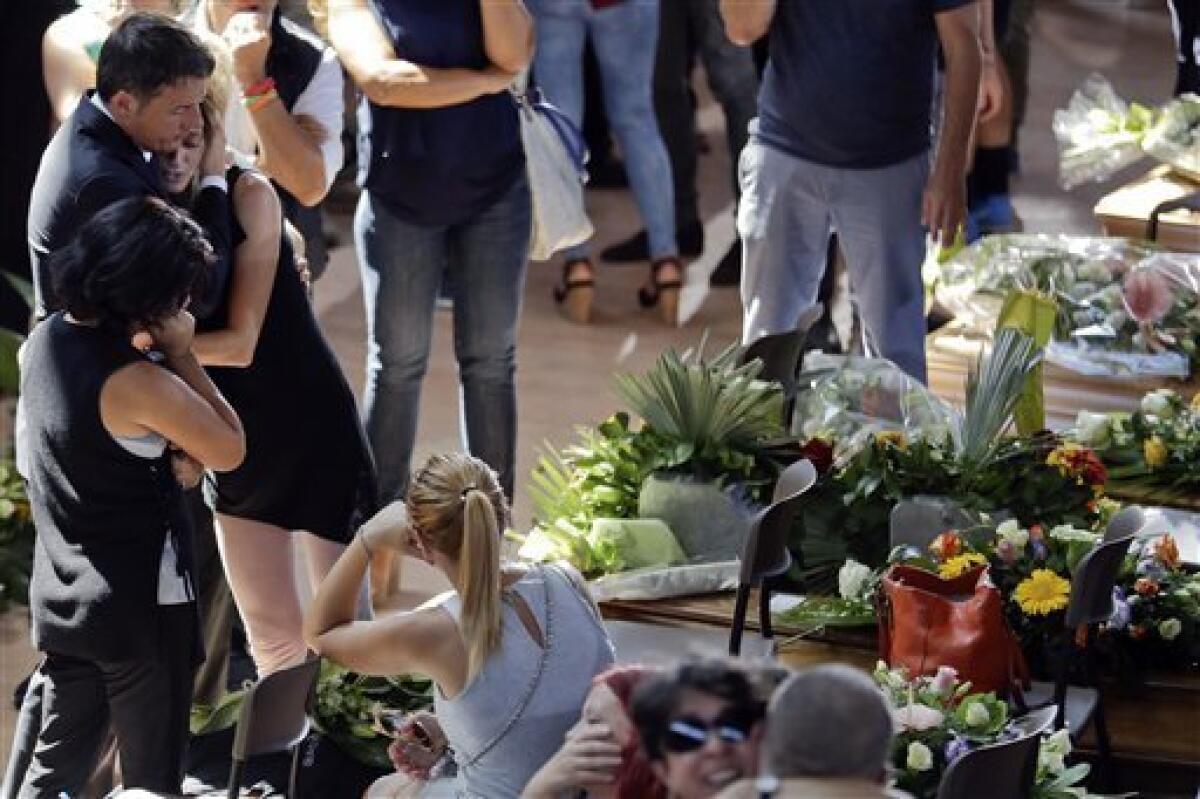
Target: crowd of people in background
[{"x": 174, "y": 232}]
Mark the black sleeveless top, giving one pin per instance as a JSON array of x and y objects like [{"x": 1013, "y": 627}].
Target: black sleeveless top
[
  {"x": 307, "y": 465},
  {"x": 101, "y": 512}
]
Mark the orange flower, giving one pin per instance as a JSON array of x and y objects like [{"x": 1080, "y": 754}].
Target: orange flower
[
  {"x": 1146, "y": 587},
  {"x": 1167, "y": 552},
  {"x": 946, "y": 546}
]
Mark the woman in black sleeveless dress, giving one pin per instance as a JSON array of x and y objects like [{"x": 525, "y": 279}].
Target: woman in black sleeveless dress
[{"x": 308, "y": 470}]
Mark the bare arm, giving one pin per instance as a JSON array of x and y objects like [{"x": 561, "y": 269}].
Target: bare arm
[
  {"x": 747, "y": 21},
  {"x": 944, "y": 206},
  {"x": 66, "y": 69},
  {"x": 411, "y": 641},
  {"x": 290, "y": 153},
  {"x": 507, "y": 33},
  {"x": 390, "y": 81},
  {"x": 254, "y": 263},
  {"x": 179, "y": 403},
  {"x": 289, "y": 145}
]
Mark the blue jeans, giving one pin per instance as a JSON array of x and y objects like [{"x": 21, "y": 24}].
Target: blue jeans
[
  {"x": 402, "y": 266},
  {"x": 625, "y": 38},
  {"x": 788, "y": 209}
]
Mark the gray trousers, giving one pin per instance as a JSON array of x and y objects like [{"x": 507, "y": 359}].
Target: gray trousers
[{"x": 790, "y": 206}]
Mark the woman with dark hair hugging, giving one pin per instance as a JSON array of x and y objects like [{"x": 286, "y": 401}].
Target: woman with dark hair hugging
[
  {"x": 308, "y": 472},
  {"x": 106, "y": 431}
]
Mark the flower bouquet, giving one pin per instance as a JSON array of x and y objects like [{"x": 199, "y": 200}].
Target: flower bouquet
[
  {"x": 1175, "y": 138},
  {"x": 1154, "y": 449},
  {"x": 853, "y": 606},
  {"x": 1031, "y": 565},
  {"x": 348, "y": 710},
  {"x": 1099, "y": 134},
  {"x": 653, "y": 507},
  {"x": 1156, "y": 619},
  {"x": 1123, "y": 309},
  {"x": 349, "y": 707},
  {"x": 939, "y": 719},
  {"x": 1039, "y": 478}
]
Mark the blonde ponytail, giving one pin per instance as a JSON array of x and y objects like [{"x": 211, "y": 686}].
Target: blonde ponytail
[
  {"x": 457, "y": 508},
  {"x": 479, "y": 578}
]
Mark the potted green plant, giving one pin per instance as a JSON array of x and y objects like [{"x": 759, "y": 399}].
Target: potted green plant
[{"x": 714, "y": 418}]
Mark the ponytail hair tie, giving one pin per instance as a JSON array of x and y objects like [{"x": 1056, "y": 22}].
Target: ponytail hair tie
[{"x": 468, "y": 490}]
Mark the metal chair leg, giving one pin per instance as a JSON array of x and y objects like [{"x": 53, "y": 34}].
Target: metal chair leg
[
  {"x": 739, "y": 619},
  {"x": 235, "y": 779},
  {"x": 764, "y": 611}
]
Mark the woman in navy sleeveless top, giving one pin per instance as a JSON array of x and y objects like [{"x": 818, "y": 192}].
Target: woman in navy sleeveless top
[
  {"x": 111, "y": 594},
  {"x": 445, "y": 196}
]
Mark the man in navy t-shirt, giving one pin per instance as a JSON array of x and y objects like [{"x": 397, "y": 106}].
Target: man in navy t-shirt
[{"x": 842, "y": 144}]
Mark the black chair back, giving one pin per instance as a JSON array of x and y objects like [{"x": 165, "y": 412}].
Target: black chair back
[
  {"x": 274, "y": 718},
  {"x": 782, "y": 355},
  {"x": 1005, "y": 770},
  {"x": 765, "y": 553},
  {"x": 1128, "y": 521},
  {"x": 1092, "y": 583}
]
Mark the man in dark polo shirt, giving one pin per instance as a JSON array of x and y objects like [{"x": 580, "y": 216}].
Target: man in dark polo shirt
[{"x": 842, "y": 144}]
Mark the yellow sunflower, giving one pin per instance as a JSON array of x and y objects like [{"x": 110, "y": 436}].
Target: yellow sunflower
[
  {"x": 1042, "y": 593},
  {"x": 960, "y": 564}
]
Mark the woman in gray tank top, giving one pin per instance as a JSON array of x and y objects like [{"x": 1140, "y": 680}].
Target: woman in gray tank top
[{"x": 512, "y": 650}]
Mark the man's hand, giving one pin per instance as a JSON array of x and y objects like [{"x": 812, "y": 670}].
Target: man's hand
[
  {"x": 248, "y": 34},
  {"x": 944, "y": 205},
  {"x": 991, "y": 91},
  {"x": 188, "y": 471}
]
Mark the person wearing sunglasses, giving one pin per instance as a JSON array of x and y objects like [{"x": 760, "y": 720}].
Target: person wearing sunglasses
[{"x": 701, "y": 726}]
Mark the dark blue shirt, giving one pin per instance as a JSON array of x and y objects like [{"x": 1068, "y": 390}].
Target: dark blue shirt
[
  {"x": 850, "y": 82},
  {"x": 439, "y": 166}
]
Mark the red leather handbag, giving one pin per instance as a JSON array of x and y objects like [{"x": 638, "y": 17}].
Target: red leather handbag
[{"x": 926, "y": 622}]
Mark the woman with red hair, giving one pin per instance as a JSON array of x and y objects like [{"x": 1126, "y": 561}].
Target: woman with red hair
[{"x": 602, "y": 755}]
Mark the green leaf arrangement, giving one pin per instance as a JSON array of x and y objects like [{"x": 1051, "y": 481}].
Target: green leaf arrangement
[
  {"x": 16, "y": 537},
  {"x": 714, "y": 412},
  {"x": 994, "y": 384}
]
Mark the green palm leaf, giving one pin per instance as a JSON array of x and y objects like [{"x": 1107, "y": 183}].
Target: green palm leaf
[{"x": 994, "y": 384}]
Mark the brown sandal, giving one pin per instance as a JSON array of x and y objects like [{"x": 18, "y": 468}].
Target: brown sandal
[
  {"x": 664, "y": 293},
  {"x": 574, "y": 296}
]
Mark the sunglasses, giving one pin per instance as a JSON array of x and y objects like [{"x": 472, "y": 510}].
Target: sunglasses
[{"x": 688, "y": 734}]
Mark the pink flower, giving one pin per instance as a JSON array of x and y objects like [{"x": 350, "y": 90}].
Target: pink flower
[
  {"x": 943, "y": 681},
  {"x": 1148, "y": 296}
]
